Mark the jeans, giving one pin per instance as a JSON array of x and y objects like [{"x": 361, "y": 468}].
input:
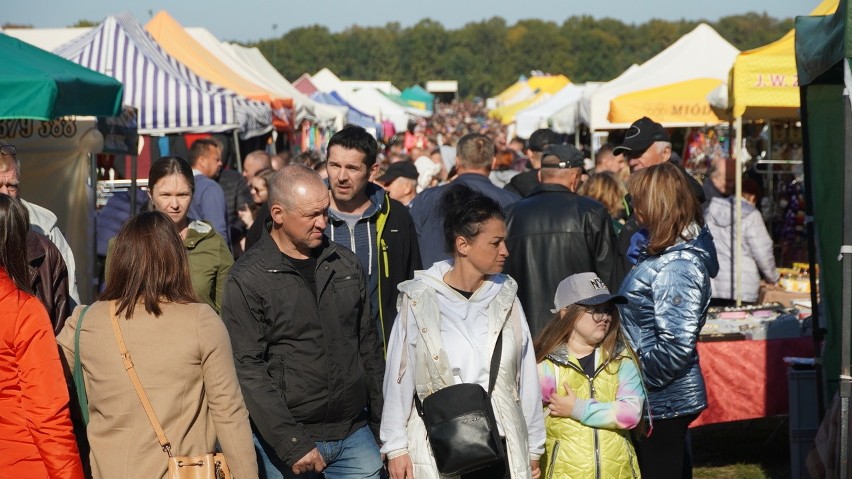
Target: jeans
[{"x": 355, "y": 457}]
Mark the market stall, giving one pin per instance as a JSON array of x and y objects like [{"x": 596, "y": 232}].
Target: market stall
[
  {"x": 40, "y": 91},
  {"x": 742, "y": 353}
]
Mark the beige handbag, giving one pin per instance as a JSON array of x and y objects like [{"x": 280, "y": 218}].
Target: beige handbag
[{"x": 202, "y": 466}]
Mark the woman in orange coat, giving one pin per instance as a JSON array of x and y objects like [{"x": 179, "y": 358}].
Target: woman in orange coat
[{"x": 36, "y": 439}]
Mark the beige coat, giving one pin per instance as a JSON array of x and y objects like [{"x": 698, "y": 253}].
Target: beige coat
[{"x": 185, "y": 364}]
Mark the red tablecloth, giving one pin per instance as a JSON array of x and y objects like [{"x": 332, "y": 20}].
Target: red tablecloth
[{"x": 747, "y": 379}]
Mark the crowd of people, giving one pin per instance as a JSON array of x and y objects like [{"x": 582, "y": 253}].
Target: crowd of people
[{"x": 295, "y": 317}]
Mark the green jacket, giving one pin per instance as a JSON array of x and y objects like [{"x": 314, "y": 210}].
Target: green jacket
[{"x": 209, "y": 262}]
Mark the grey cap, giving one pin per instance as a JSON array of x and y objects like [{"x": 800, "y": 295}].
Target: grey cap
[{"x": 583, "y": 288}]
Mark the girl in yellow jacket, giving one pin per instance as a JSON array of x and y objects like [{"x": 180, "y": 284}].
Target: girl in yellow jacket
[{"x": 591, "y": 385}]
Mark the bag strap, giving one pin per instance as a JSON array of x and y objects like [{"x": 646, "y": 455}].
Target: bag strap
[
  {"x": 492, "y": 373},
  {"x": 134, "y": 378},
  {"x": 79, "y": 384}
]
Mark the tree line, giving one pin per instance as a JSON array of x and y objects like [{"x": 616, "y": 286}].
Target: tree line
[{"x": 485, "y": 57}]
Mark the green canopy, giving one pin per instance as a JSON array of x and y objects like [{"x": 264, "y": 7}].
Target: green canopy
[
  {"x": 823, "y": 49},
  {"x": 418, "y": 94},
  {"x": 38, "y": 85}
]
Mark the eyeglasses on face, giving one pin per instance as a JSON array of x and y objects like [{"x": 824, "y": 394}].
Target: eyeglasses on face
[
  {"x": 8, "y": 150},
  {"x": 600, "y": 313}
]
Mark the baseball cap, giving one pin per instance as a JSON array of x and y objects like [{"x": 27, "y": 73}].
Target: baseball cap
[
  {"x": 541, "y": 138},
  {"x": 586, "y": 289},
  {"x": 569, "y": 157},
  {"x": 641, "y": 134},
  {"x": 405, "y": 169}
]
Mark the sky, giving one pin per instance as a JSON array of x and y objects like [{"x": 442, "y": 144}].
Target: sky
[{"x": 252, "y": 20}]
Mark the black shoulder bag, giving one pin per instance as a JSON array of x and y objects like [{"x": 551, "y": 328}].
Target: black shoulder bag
[{"x": 460, "y": 424}]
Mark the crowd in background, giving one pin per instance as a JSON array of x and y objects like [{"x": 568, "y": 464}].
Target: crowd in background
[{"x": 295, "y": 314}]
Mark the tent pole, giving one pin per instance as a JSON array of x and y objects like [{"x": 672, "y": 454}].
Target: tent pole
[
  {"x": 738, "y": 215},
  {"x": 133, "y": 185},
  {"x": 237, "y": 151},
  {"x": 817, "y": 331},
  {"x": 846, "y": 282},
  {"x": 93, "y": 181}
]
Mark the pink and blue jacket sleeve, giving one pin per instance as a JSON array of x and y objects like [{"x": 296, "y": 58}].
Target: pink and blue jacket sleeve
[{"x": 623, "y": 413}]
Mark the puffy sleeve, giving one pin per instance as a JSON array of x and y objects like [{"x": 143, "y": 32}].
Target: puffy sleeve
[
  {"x": 681, "y": 292},
  {"x": 44, "y": 394}
]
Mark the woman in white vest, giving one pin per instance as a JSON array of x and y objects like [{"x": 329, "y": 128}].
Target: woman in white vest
[{"x": 451, "y": 316}]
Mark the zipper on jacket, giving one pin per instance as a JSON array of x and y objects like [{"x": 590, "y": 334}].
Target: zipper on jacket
[
  {"x": 551, "y": 466},
  {"x": 630, "y": 455},
  {"x": 597, "y": 440},
  {"x": 384, "y": 247}
]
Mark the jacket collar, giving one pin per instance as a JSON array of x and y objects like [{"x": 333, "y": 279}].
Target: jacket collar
[
  {"x": 378, "y": 202},
  {"x": 35, "y": 251},
  {"x": 550, "y": 188},
  {"x": 271, "y": 258}
]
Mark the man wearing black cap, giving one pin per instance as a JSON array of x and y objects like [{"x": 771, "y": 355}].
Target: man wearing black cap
[
  {"x": 554, "y": 233},
  {"x": 400, "y": 181},
  {"x": 524, "y": 183},
  {"x": 646, "y": 144}
]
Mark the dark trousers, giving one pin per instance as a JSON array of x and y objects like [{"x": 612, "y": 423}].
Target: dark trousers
[{"x": 667, "y": 453}]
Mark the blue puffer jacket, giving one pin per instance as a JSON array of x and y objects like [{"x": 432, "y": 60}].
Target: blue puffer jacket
[{"x": 668, "y": 295}]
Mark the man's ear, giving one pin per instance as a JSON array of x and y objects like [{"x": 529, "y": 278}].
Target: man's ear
[{"x": 276, "y": 212}]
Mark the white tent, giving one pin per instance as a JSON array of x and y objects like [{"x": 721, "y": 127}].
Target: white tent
[
  {"x": 558, "y": 113},
  {"x": 367, "y": 100},
  {"x": 253, "y": 66},
  {"x": 47, "y": 39},
  {"x": 326, "y": 81},
  {"x": 701, "y": 53},
  {"x": 376, "y": 104},
  {"x": 382, "y": 86}
]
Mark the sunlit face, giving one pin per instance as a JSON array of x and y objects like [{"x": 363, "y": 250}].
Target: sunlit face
[
  {"x": 210, "y": 162},
  {"x": 486, "y": 252},
  {"x": 653, "y": 155},
  {"x": 591, "y": 327},
  {"x": 348, "y": 174},
  {"x": 303, "y": 224},
  {"x": 9, "y": 183},
  {"x": 172, "y": 195},
  {"x": 401, "y": 189},
  {"x": 259, "y": 192}
]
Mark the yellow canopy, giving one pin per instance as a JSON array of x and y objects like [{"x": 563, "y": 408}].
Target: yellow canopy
[
  {"x": 764, "y": 82},
  {"x": 506, "y": 114},
  {"x": 513, "y": 90},
  {"x": 677, "y": 104},
  {"x": 534, "y": 85},
  {"x": 171, "y": 36},
  {"x": 548, "y": 84}
]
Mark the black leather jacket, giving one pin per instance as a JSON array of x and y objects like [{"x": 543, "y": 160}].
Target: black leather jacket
[
  {"x": 552, "y": 234},
  {"x": 48, "y": 278}
]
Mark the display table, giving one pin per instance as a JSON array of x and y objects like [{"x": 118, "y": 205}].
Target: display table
[
  {"x": 770, "y": 294},
  {"x": 747, "y": 379}
]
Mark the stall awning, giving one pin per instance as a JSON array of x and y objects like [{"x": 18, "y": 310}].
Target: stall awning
[
  {"x": 38, "y": 85},
  {"x": 764, "y": 80},
  {"x": 172, "y": 37},
  {"x": 170, "y": 98},
  {"x": 677, "y": 104}
]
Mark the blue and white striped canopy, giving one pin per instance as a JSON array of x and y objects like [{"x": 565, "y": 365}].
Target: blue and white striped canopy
[{"x": 169, "y": 96}]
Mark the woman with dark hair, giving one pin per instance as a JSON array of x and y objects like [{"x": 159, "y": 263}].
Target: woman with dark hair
[
  {"x": 171, "y": 185},
  {"x": 36, "y": 437},
  {"x": 450, "y": 319},
  {"x": 181, "y": 352},
  {"x": 590, "y": 383},
  {"x": 668, "y": 293}
]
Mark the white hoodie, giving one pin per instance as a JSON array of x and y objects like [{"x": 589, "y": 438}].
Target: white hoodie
[{"x": 468, "y": 331}]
